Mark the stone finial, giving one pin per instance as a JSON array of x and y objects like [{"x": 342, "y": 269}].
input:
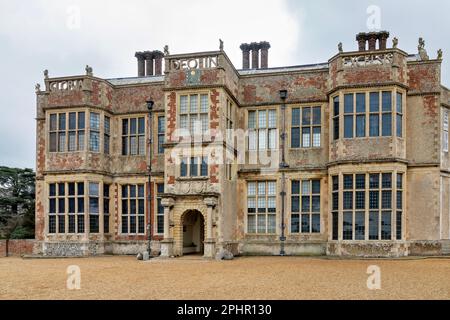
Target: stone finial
[
  {"x": 166, "y": 50},
  {"x": 220, "y": 44},
  {"x": 395, "y": 43},
  {"x": 37, "y": 87},
  {"x": 439, "y": 54},
  {"x": 89, "y": 71},
  {"x": 422, "y": 51},
  {"x": 340, "y": 47},
  {"x": 46, "y": 74}
]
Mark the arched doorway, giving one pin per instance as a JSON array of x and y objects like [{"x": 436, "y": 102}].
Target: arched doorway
[{"x": 193, "y": 232}]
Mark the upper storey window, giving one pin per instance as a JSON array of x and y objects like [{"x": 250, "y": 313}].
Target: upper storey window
[
  {"x": 262, "y": 126},
  {"x": 66, "y": 131},
  {"x": 133, "y": 136},
  {"x": 94, "y": 132},
  {"x": 306, "y": 127},
  {"x": 161, "y": 133},
  {"x": 194, "y": 113},
  {"x": 369, "y": 114}
]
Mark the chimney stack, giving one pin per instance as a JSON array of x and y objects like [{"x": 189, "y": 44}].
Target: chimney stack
[
  {"x": 141, "y": 63},
  {"x": 264, "y": 46},
  {"x": 149, "y": 63},
  {"x": 257, "y": 49},
  {"x": 245, "y": 56},
  {"x": 372, "y": 37}
]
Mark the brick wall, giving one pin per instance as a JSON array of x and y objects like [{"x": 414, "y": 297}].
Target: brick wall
[
  {"x": 16, "y": 247},
  {"x": 2, "y": 248}
]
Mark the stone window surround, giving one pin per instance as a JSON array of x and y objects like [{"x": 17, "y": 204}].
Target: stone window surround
[
  {"x": 86, "y": 181},
  {"x": 87, "y": 112},
  {"x": 394, "y": 172},
  {"x": 120, "y": 209},
  {"x": 266, "y": 213},
  {"x": 393, "y": 89},
  {"x": 277, "y": 126},
  {"x": 145, "y": 134},
  {"x": 310, "y": 212},
  {"x": 289, "y": 125},
  {"x": 188, "y": 93}
]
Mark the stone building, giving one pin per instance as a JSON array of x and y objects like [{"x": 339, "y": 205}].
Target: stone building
[{"x": 347, "y": 157}]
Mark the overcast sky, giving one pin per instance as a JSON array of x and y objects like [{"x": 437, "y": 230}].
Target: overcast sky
[{"x": 64, "y": 36}]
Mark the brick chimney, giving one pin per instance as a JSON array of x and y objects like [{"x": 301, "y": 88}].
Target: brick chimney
[
  {"x": 264, "y": 46},
  {"x": 260, "y": 55},
  {"x": 140, "y": 63},
  {"x": 149, "y": 63},
  {"x": 158, "y": 56},
  {"x": 255, "y": 55},
  {"x": 245, "y": 56},
  {"x": 372, "y": 38}
]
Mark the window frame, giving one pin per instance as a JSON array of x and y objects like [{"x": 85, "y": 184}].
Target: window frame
[
  {"x": 204, "y": 128},
  {"x": 257, "y": 130},
  {"x": 310, "y": 213},
  {"x": 128, "y": 136},
  {"x": 57, "y": 131},
  {"x": 301, "y": 126},
  {"x": 138, "y": 216},
  {"x": 266, "y": 213}
]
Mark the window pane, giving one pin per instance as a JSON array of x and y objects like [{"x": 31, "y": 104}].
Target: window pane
[
  {"x": 251, "y": 189},
  {"x": 335, "y": 183},
  {"x": 53, "y": 142},
  {"x": 306, "y": 205},
  {"x": 193, "y": 104},
  {"x": 348, "y": 103},
  {"x": 53, "y": 122},
  {"x": 374, "y": 181},
  {"x": 374, "y": 202},
  {"x": 204, "y": 167},
  {"x": 359, "y": 226},
  {"x": 373, "y": 225},
  {"x": 62, "y": 121},
  {"x": 140, "y": 188},
  {"x": 296, "y": 117},
  {"x": 316, "y": 204},
  {"x": 348, "y": 200},
  {"x": 306, "y": 187},
  {"x": 360, "y": 181},
  {"x": 107, "y": 125},
  {"x": 251, "y": 224},
  {"x": 183, "y": 168},
  {"x": 272, "y": 119},
  {"x": 72, "y": 141},
  {"x": 348, "y": 181},
  {"x": 387, "y": 101},
  {"x": 399, "y": 125},
  {"x": 272, "y": 139},
  {"x": 386, "y": 199},
  {"x": 94, "y": 141},
  {"x": 271, "y": 188},
  {"x": 261, "y": 223},
  {"x": 252, "y": 119},
  {"x": 305, "y": 223},
  {"x": 360, "y": 200},
  {"x": 316, "y": 136},
  {"x": 204, "y": 105},
  {"x": 387, "y": 125},
  {"x": 336, "y": 106},
  {"x": 399, "y": 200},
  {"x": 295, "y": 138},
  {"x": 194, "y": 167},
  {"x": 347, "y": 229},
  {"x": 360, "y": 102},
  {"x": 336, "y": 128},
  {"x": 262, "y": 144},
  {"x": 317, "y": 115},
  {"x": 360, "y": 126},
  {"x": 295, "y": 223},
  {"x": 374, "y": 102},
  {"x": 81, "y": 120},
  {"x": 183, "y": 104},
  {"x": 399, "y": 103},
  {"x": 335, "y": 229},
  {"x": 348, "y": 127},
  {"x": 306, "y": 137},
  {"x": 93, "y": 205},
  {"x": 141, "y": 125},
  {"x": 62, "y": 142},
  {"x": 386, "y": 226},
  {"x": 315, "y": 224},
  {"x": 400, "y": 181},
  {"x": 386, "y": 181},
  {"x": 72, "y": 121},
  {"x": 398, "y": 223},
  {"x": 95, "y": 121},
  {"x": 374, "y": 125},
  {"x": 295, "y": 204},
  {"x": 306, "y": 116},
  {"x": 316, "y": 186},
  {"x": 295, "y": 187},
  {"x": 262, "y": 119}
]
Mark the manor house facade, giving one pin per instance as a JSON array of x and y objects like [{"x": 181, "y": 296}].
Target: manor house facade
[{"x": 344, "y": 158}]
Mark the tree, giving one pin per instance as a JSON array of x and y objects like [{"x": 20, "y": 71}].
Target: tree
[{"x": 17, "y": 201}]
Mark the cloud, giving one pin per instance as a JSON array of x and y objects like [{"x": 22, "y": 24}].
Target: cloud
[{"x": 44, "y": 34}]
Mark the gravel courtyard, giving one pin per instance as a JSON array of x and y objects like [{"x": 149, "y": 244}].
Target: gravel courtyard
[{"x": 242, "y": 278}]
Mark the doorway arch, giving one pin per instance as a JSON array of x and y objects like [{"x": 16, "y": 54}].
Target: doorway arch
[{"x": 193, "y": 233}]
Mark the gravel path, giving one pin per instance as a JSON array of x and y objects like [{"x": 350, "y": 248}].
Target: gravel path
[{"x": 242, "y": 278}]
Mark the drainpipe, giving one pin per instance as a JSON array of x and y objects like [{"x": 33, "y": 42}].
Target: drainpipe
[
  {"x": 283, "y": 165},
  {"x": 150, "y": 104}
]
